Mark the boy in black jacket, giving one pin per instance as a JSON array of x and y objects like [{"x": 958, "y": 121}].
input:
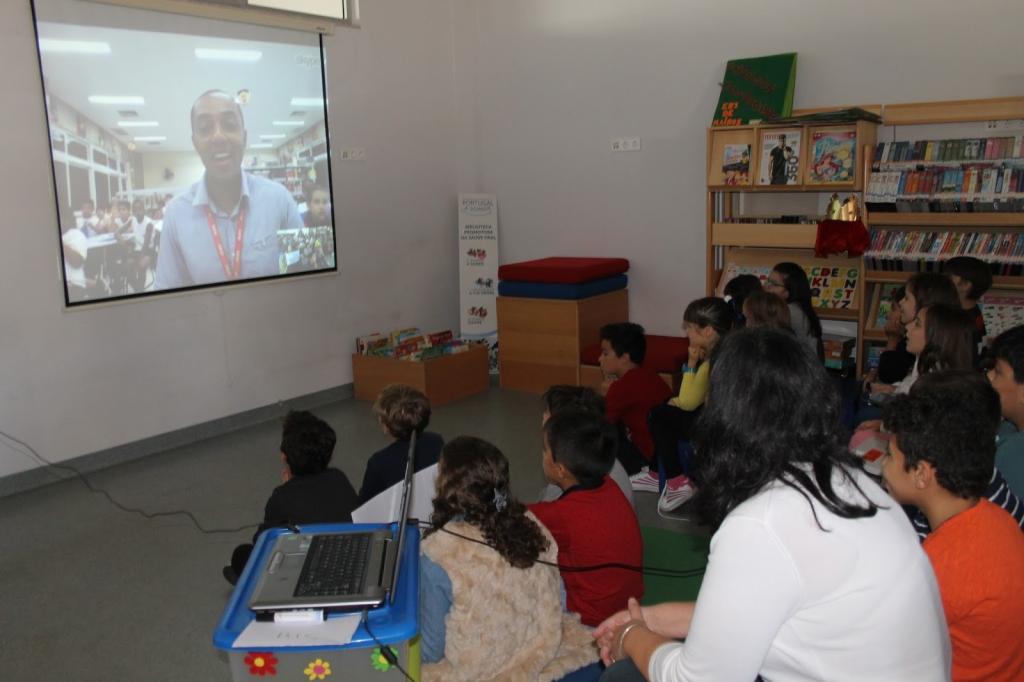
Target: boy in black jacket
[{"x": 310, "y": 492}]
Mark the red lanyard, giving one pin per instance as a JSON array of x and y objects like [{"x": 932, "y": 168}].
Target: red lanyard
[{"x": 235, "y": 269}]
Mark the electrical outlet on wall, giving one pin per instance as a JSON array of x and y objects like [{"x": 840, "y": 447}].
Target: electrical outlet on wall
[
  {"x": 1008, "y": 124},
  {"x": 625, "y": 144}
]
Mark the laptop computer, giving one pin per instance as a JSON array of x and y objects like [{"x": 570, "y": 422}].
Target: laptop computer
[{"x": 337, "y": 570}]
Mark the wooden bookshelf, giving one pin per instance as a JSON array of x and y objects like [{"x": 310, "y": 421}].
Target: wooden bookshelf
[
  {"x": 951, "y": 220},
  {"x": 772, "y": 235},
  {"x": 774, "y": 242},
  {"x": 897, "y": 116},
  {"x": 900, "y": 276}
]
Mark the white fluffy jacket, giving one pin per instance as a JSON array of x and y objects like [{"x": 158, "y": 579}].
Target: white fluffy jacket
[{"x": 505, "y": 623}]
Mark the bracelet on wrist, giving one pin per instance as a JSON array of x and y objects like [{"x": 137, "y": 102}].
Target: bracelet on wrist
[{"x": 622, "y": 636}]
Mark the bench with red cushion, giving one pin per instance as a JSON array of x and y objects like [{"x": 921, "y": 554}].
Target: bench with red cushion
[
  {"x": 665, "y": 354},
  {"x": 562, "y": 270}
]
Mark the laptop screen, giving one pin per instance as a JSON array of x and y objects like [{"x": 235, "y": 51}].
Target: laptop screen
[{"x": 403, "y": 518}]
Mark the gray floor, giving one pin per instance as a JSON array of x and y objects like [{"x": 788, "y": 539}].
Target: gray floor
[{"x": 93, "y": 593}]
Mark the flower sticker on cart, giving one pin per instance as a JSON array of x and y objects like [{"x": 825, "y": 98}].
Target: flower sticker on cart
[
  {"x": 261, "y": 663},
  {"x": 318, "y": 669}
]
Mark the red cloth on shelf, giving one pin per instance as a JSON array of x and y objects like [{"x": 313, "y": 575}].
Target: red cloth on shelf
[{"x": 837, "y": 236}]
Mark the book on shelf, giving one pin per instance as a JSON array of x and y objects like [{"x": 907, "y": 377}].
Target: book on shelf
[
  {"x": 971, "y": 175},
  {"x": 936, "y": 151},
  {"x": 1001, "y": 311},
  {"x": 850, "y": 115},
  {"x": 925, "y": 250},
  {"x": 736, "y": 164},
  {"x": 755, "y": 89},
  {"x": 832, "y": 287},
  {"x": 733, "y": 270},
  {"x": 874, "y": 355},
  {"x": 780, "y": 157},
  {"x": 882, "y": 304},
  {"x": 774, "y": 220},
  {"x": 833, "y": 157}
]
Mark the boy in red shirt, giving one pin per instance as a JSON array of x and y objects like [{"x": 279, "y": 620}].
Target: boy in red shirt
[
  {"x": 630, "y": 392},
  {"x": 941, "y": 457},
  {"x": 592, "y": 522}
]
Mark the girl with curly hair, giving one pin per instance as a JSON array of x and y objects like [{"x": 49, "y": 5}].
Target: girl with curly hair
[{"x": 490, "y": 591}]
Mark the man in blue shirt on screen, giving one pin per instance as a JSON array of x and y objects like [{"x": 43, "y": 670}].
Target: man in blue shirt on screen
[{"x": 225, "y": 226}]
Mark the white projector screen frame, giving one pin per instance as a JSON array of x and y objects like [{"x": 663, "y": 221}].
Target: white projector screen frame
[{"x": 129, "y": 105}]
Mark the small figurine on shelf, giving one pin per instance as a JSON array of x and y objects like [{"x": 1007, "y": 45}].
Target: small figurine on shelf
[
  {"x": 850, "y": 210},
  {"x": 834, "y": 208}
]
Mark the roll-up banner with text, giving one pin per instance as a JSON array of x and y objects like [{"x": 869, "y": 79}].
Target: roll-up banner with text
[{"x": 478, "y": 270}]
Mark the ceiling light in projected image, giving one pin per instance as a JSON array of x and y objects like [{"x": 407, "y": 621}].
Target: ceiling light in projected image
[
  {"x": 55, "y": 46},
  {"x": 117, "y": 99},
  {"x": 228, "y": 55}
]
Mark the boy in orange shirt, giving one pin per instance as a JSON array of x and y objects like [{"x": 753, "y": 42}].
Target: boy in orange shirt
[{"x": 941, "y": 456}]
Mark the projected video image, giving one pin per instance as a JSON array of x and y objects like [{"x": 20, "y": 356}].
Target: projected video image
[{"x": 183, "y": 160}]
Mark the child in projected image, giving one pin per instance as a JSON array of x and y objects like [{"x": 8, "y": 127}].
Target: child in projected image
[
  {"x": 310, "y": 491},
  {"x": 319, "y": 213}
]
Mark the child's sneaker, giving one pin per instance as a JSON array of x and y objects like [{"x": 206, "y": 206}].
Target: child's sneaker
[
  {"x": 677, "y": 491},
  {"x": 645, "y": 481}
]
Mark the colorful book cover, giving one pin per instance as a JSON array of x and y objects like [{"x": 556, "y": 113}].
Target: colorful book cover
[
  {"x": 372, "y": 344},
  {"x": 756, "y": 89},
  {"x": 833, "y": 156},
  {"x": 832, "y": 286},
  {"x": 736, "y": 164},
  {"x": 885, "y": 304},
  {"x": 780, "y": 157},
  {"x": 1001, "y": 312},
  {"x": 733, "y": 270}
]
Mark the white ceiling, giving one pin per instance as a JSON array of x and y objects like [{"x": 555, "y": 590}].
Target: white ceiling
[{"x": 162, "y": 68}]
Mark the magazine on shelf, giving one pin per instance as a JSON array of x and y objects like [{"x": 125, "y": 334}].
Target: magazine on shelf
[
  {"x": 780, "y": 157},
  {"x": 736, "y": 164},
  {"x": 833, "y": 157}
]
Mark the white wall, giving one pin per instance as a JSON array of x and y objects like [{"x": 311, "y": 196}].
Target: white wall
[
  {"x": 517, "y": 98},
  {"x": 186, "y": 166},
  {"x": 80, "y": 381},
  {"x": 542, "y": 86}
]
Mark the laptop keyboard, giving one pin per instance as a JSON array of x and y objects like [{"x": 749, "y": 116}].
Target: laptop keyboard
[{"x": 334, "y": 566}]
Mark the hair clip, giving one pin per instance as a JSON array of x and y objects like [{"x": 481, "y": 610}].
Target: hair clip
[{"x": 500, "y": 500}]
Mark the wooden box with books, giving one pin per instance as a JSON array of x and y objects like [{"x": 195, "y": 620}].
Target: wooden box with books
[{"x": 443, "y": 379}]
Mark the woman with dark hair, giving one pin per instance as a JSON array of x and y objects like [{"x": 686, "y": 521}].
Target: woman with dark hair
[
  {"x": 813, "y": 568},
  {"x": 490, "y": 604},
  {"x": 789, "y": 282}
]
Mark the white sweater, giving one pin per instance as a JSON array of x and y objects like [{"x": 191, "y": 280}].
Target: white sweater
[{"x": 784, "y": 599}]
